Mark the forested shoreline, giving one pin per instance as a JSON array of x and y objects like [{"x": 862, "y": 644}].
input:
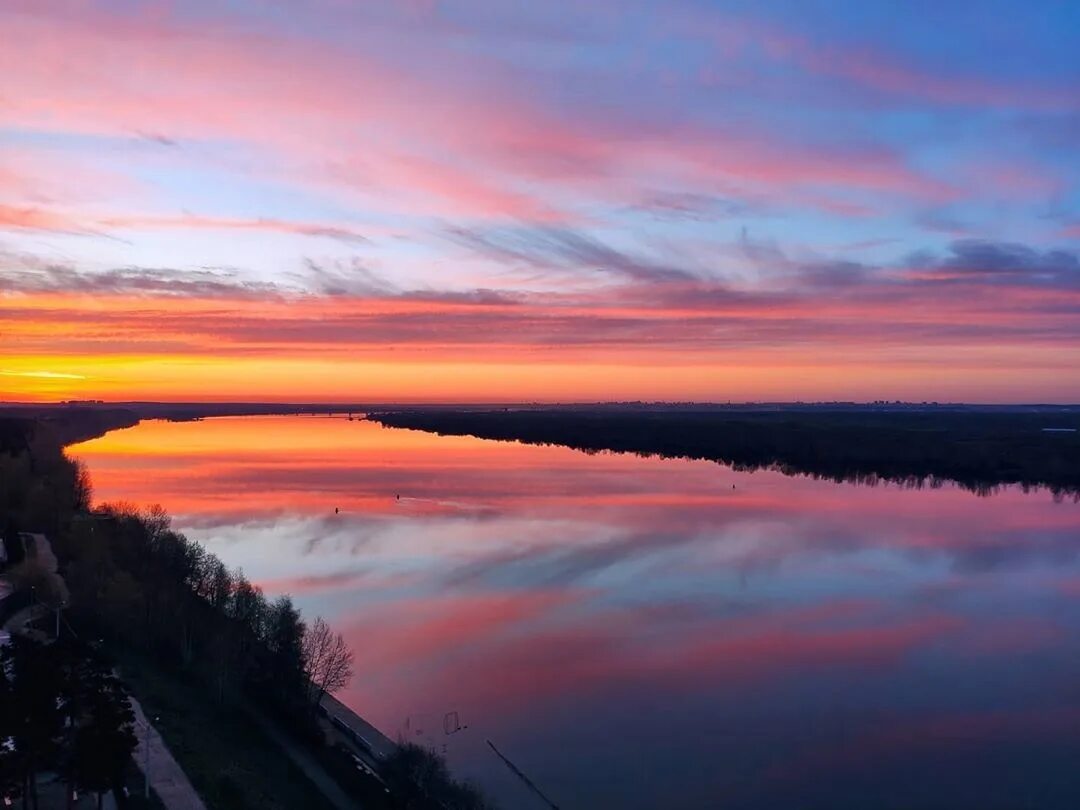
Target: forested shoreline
[
  {"x": 135, "y": 587},
  {"x": 979, "y": 450},
  {"x": 135, "y": 580}
]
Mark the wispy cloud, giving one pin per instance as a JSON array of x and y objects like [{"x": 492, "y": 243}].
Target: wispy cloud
[
  {"x": 547, "y": 248},
  {"x": 150, "y": 281},
  {"x": 530, "y": 187},
  {"x": 39, "y": 218},
  {"x": 41, "y": 375}
]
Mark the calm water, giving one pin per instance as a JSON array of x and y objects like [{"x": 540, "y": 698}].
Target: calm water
[{"x": 645, "y": 633}]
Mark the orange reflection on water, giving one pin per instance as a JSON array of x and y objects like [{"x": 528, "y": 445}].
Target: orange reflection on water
[
  {"x": 306, "y": 463},
  {"x": 315, "y": 465},
  {"x": 571, "y": 605}
]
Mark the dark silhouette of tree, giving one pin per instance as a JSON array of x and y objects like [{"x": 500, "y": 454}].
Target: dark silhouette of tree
[
  {"x": 83, "y": 488},
  {"x": 328, "y": 661},
  {"x": 61, "y": 709},
  {"x": 33, "y": 722},
  {"x": 248, "y": 606},
  {"x": 285, "y": 641},
  {"x": 220, "y": 584},
  {"x": 102, "y": 737},
  {"x": 13, "y": 545},
  {"x": 420, "y": 780}
]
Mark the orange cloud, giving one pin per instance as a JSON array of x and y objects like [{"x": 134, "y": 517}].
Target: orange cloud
[{"x": 414, "y": 348}]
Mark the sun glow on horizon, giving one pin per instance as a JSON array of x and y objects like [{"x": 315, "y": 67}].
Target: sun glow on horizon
[{"x": 771, "y": 203}]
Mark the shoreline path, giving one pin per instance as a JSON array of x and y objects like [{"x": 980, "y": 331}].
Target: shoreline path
[{"x": 167, "y": 778}]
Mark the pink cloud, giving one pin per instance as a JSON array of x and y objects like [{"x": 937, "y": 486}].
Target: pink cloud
[
  {"x": 787, "y": 167},
  {"x": 44, "y": 176},
  {"x": 51, "y": 220},
  {"x": 194, "y": 222},
  {"x": 883, "y": 73},
  {"x": 36, "y": 219},
  {"x": 320, "y": 109},
  {"x": 423, "y": 185},
  {"x": 326, "y": 583},
  {"x": 348, "y": 123}
]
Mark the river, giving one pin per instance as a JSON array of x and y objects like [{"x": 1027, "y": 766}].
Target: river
[{"x": 652, "y": 633}]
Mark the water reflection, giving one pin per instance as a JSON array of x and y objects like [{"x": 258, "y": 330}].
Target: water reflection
[{"x": 649, "y": 633}]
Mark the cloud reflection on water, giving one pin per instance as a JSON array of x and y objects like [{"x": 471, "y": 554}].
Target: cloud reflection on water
[{"x": 587, "y": 611}]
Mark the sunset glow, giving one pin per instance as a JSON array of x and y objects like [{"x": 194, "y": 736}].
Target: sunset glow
[
  {"x": 476, "y": 201},
  {"x": 507, "y": 404}
]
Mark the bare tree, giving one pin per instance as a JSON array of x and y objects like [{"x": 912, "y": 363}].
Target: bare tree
[
  {"x": 156, "y": 520},
  {"x": 82, "y": 487},
  {"x": 221, "y": 584},
  {"x": 328, "y": 661}
]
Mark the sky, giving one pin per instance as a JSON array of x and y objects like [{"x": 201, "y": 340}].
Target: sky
[{"x": 470, "y": 200}]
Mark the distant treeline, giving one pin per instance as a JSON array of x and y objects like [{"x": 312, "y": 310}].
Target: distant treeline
[
  {"x": 979, "y": 450},
  {"x": 40, "y": 488},
  {"x": 15, "y": 435},
  {"x": 61, "y": 425}
]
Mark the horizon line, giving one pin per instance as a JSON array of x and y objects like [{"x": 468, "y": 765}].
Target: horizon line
[{"x": 377, "y": 404}]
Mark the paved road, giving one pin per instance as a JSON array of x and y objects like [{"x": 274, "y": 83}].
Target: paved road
[
  {"x": 166, "y": 778},
  {"x": 38, "y": 549}
]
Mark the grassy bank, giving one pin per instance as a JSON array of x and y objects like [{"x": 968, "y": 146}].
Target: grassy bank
[{"x": 231, "y": 763}]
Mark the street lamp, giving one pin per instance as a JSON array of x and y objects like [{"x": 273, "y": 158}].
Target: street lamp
[
  {"x": 146, "y": 754},
  {"x": 59, "y": 606}
]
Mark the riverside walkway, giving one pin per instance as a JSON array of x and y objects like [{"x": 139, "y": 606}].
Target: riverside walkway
[{"x": 167, "y": 778}]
